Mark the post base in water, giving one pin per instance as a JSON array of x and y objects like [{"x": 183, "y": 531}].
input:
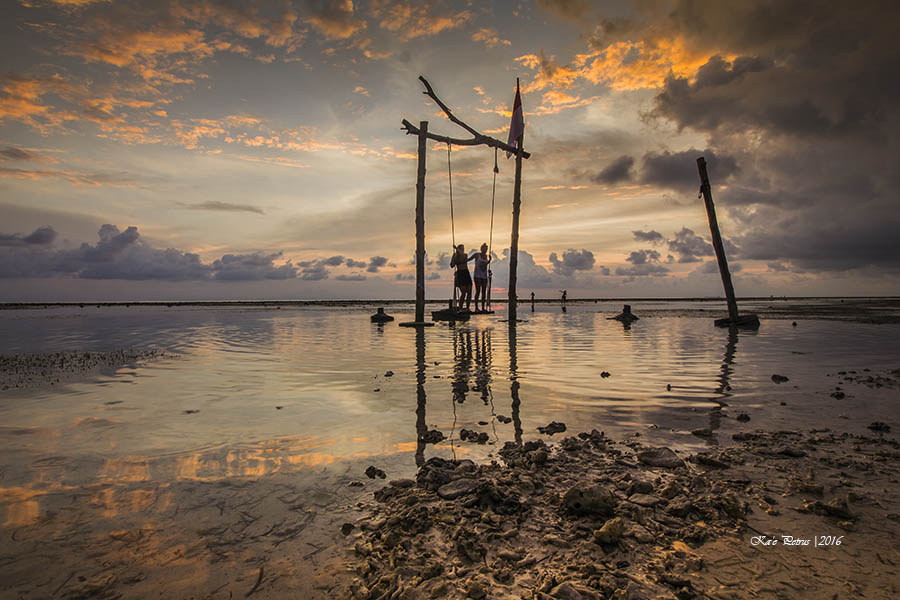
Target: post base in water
[
  {"x": 447, "y": 314},
  {"x": 742, "y": 322},
  {"x": 416, "y": 324}
]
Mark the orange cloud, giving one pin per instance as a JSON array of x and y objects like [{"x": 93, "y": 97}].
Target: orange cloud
[
  {"x": 410, "y": 20},
  {"x": 337, "y": 22},
  {"x": 489, "y": 37}
]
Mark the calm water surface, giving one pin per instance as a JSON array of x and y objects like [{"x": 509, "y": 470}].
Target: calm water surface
[{"x": 300, "y": 389}]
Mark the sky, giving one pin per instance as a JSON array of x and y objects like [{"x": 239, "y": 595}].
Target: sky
[{"x": 226, "y": 149}]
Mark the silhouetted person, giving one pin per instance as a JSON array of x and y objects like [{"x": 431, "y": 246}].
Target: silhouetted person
[
  {"x": 564, "y": 294},
  {"x": 461, "y": 279},
  {"x": 532, "y": 301},
  {"x": 482, "y": 260}
]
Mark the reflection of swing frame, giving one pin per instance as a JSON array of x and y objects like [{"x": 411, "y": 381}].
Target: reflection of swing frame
[{"x": 477, "y": 139}]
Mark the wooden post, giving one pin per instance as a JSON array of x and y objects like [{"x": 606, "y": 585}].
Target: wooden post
[
  {"x": 733, "y": 317},
  {"x": 420, "y": 224},
  {"x": 514, "y": 240},
  {"x": 420, "y": 229}
]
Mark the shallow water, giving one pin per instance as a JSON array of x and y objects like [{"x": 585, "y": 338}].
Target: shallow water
[{"x": 296, "y": 389}]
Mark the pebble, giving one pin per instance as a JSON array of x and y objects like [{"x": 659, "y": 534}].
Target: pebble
[
  {"x": 552, "y": 428},
  {"x": 584, "y": 498},
  {"x": 780, "y": 378},
  {"x": 611, "y": 532},
  {"x": 372, "y": 472},
  {"x": 660, "y": 457}
]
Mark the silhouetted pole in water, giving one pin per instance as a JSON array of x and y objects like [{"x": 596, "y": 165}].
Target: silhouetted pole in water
[
  {"x": 514, "y": 241},
  {"x": 514, "y": 383},
  {"x": 733, "y": 318}
]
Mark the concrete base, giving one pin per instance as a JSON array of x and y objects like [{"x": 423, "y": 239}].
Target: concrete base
[
  {"x": 416, "y": 324},
  {"x": 742, "y": 322}
]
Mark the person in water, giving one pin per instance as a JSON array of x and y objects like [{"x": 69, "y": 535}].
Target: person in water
[
  {"x": 564, "y": 294},
  {"x": 481, "y": 275},
  {"x": 461, "y": 279}
]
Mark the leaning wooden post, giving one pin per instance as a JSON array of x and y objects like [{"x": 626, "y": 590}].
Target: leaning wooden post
[
  {"x": 514, "y": 240},
  {"x": 733, "y": 317}
]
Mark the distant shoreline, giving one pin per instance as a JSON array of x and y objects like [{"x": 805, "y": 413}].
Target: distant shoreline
[{"x": 366, "y": 302}]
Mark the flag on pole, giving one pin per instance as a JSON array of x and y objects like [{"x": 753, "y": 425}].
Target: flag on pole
[{"x": 517, "y": 124}]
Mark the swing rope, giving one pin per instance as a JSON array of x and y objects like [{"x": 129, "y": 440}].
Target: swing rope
[
  {"x": 452, "y": 223},
  {"x": 491, "y": 235}
]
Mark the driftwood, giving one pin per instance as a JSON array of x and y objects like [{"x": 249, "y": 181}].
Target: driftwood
[{"x": 477, "y": 138}]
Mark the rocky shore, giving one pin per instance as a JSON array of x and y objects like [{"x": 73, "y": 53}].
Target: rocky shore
[
  {"x": 777, "y": 514},
  {"x": 32, "y": 370}
]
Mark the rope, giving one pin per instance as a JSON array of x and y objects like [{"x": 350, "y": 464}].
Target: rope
[
  {"x": 491, "y": 235},
  {"x": 450, "y": 180},
  {"x": 452, "y": 223}
]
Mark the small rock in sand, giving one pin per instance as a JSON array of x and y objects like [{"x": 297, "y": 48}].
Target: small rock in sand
[
  {"x": 432, "y": 436},
  {"x": 504, "y": 419},
  {"x": 605, "y": 374},
  {"x": 611, "y": 532},
  {"x": 704, "y": 432},
  {"x": 552, "y": 427},
  {"x": 372, "y": 472},
  {"x": 879, "y": 426},
  {"x": 743, "y": 417},
  {"x": 660, "y": 457},
  {"x": 455, "y": 489},
  {"x": 583, "y": 498},
  {"x": 388, "y": 373},
  {"x": 779, "y": 378}
]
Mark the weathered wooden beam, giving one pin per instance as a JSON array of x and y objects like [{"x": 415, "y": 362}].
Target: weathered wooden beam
[
  {"x": 477, "y": 141},
  {"x": 422, "y": 132}
]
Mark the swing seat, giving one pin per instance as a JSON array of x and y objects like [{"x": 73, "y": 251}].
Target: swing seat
[{"x": 449, "y": 314}]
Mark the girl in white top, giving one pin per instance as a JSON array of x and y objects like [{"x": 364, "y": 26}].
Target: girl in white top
[{"x": 481, "y": 275}]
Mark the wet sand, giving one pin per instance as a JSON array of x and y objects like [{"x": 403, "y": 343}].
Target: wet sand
[{"x": 23, "y": 371}]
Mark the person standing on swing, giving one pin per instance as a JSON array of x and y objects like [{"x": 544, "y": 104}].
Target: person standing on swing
[
  {"x": 462, "y": 280},
  {"x": 481, "y": 276}
]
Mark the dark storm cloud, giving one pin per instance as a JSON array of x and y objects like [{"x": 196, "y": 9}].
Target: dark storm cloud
[
  {"x": 572, "y": 260},
  {"x": 333, "y": 261},
  {"x": 350, "y": 277},
  {"x": 125, "y": 255},
  {"x": 355, "y": 264},
  {"x": 809, "y": 107},
  {"x": 617, "y": 171},
  {"x": 643, "y": 263},
  {"x": 224, "y": 206},
  {"x": 652, "y": 237},
  {"x": 689, "y": 246},
  {"x": 678, "y": 170},
  {"x": 252, "y": 267},
  {"x": 375, "y": 263},
  {"x": 40, "y": 236}
]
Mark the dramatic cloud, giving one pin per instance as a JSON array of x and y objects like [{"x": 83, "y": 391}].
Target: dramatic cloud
[
  {"x": 350, "y": 277},
  {"x": 572, "y": 261},
  {"x": 10, "y": 153},
  {"x": 529, "y": 273},
  {"x": 356, "y": 264},
  {"x": 689, "y": 246}
]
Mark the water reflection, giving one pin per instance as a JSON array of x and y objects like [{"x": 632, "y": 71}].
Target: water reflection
[
  {"x": 514, "y": 384},
  {"x": 421, "y": 427}
]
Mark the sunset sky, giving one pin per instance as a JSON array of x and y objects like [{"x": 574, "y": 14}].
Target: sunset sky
[{"x": 226, "y": 149}]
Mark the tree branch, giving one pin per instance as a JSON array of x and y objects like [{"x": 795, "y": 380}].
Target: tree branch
[{"x": 478, "y": 138}]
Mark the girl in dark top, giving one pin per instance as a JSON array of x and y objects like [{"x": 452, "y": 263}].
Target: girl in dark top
[{"x": 462, "y": 279}]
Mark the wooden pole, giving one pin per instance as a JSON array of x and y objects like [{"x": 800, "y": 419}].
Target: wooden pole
[
  {"x": 514, "y": 241},
  {"x": 717, "y": 241},
  {"x": 420, "y": 224}
]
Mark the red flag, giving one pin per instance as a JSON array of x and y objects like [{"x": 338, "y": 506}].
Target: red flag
[{"x": 517, "y": 124}]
